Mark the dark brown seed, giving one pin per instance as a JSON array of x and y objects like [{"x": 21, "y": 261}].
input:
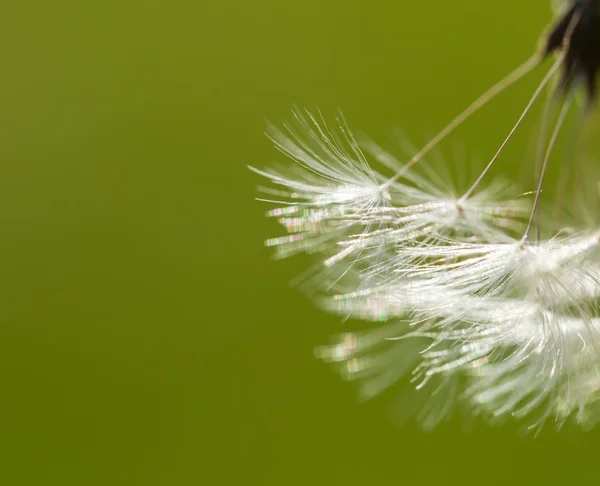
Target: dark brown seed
[{"x": 582, "y": 60}]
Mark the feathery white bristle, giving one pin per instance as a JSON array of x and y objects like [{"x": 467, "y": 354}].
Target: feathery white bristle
[{"x": 451, "y": 288}]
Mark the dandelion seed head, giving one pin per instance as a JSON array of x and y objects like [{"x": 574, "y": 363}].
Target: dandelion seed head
[
  {"x": 582, "y": 60},
  {"x": 461, "y": 292}
]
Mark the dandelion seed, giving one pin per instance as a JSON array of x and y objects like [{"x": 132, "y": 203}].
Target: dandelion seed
[
  {"x": 450, "y": 283},
  {"x": 329, "y": 191}
]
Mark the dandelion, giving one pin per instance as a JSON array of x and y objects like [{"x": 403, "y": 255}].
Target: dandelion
[{"x": 466, "y": 293}]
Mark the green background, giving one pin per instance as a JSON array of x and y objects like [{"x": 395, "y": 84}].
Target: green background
[{"x": 146, "y": 337}]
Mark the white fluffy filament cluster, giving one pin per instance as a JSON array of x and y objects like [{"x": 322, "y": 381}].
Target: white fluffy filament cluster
[{"x": 451, "y": 289}]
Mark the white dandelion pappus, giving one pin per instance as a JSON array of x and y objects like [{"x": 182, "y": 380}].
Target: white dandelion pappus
[
  {"x": 453, "y": 287},
  {"x": 454, "y": 293},
  {"x": 328, "y": 190},
  {"x": 518, "y": 353},
  {"x": 560, "y": 267},
  {"x": 336, "y": 204}
]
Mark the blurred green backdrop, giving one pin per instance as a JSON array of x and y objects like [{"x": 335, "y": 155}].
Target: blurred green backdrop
[{"x": 145, "y": 336}]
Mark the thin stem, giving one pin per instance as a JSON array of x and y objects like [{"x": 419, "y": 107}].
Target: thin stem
[
  {"x": 559, "y": 123},
  {"x": 496, "y": 89},
  {"x": 563, "y": 53},
  {"x": 541, "y": 145},
  {"x": 533, "y": 99},
  {"x": 563, "y": 177},
  {"x": 544, "y": 127},
  {"x": 561, "y": 118}
]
